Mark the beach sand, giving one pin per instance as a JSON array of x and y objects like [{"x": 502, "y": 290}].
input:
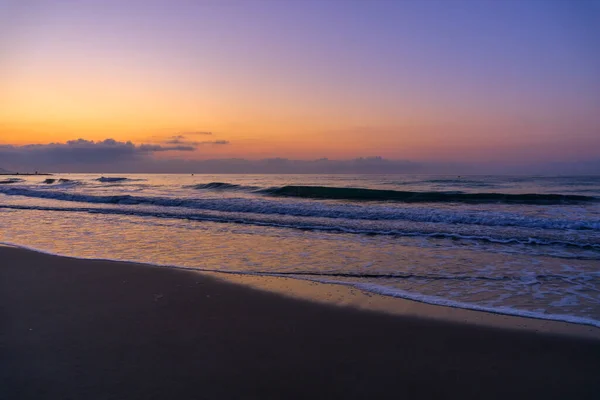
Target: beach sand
[{"x": 79, "y": 329}]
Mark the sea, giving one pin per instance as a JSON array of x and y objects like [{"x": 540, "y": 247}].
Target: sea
[{"x": 517, "y": 245}]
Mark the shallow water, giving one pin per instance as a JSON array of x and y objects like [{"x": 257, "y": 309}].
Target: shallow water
[{"x": 532, "y": 248}]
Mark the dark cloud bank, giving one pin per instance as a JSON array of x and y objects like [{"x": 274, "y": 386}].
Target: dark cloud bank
[
  {"x": 79, "y": 152},
  {"x": 113, "y": 156}
]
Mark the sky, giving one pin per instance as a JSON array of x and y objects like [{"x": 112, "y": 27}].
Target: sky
[{"x": 145, "y": 85}]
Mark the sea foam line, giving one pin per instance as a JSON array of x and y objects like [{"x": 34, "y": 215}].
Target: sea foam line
[{"x": 440, "y": 301}]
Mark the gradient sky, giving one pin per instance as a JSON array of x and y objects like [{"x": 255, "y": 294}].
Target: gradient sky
[{"x": 445, "y": 81}]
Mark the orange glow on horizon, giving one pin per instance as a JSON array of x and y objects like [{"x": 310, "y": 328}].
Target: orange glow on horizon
[{"x": 273, "y": 88}]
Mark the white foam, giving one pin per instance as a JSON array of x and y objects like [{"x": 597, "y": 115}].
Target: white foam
[{"x": 440, "y": 301}]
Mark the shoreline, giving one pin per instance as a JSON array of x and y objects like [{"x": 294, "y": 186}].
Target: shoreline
[
  {"x": 75, "y": 328},
  {"x": 347, "y": 296},
  {"x": 343, "y": 295}
]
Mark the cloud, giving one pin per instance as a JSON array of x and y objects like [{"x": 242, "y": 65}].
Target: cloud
[
  {"x": 187, "y": 143},
  {"x": 177, "y": 139},
  {"x": 181, "y": 140},
  {"x": 215, "y": 142},
  {"x": 113, "y": 156},
  {"x": 126, "y": 157},
  {"x": 80, "y": 152},
  {"x": 155, "y": 147}
]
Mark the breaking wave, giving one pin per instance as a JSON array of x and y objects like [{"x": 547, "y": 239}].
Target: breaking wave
[
  {"x": 222, "y": 186},
  {"x": 111, "y": 179},
  {"x": 312, "y": 225},
  {"x": 115, "y": 179},
  {"x": 337, "y": 193},
  {"x": 10, "y": 181},
  {"x": 336, "y": 211}
]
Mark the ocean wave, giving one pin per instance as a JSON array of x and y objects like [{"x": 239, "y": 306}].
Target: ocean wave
[
  {"x": 333, "y": 211},
  {"x": 111, "y": 179},
  {"x": 311, "y": 225},
  {"x": 10, "y": 181},
  {"x": 63, "y": 182},
  {"x": 338, "y": 193},
  {"x": 222, "y": 186},
  {"x": 116, "y": 179}
]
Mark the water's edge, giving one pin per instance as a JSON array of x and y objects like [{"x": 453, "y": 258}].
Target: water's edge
[{"x": 365, "y": 287}]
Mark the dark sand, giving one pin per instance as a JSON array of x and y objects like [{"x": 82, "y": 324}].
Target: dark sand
[{"x": 72, "y": 329}]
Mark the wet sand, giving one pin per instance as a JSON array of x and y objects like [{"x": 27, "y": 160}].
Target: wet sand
[{"x": 77, "y": 329}]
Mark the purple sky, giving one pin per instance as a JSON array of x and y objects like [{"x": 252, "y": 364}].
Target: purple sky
[{"x": 433, "y": 81}]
